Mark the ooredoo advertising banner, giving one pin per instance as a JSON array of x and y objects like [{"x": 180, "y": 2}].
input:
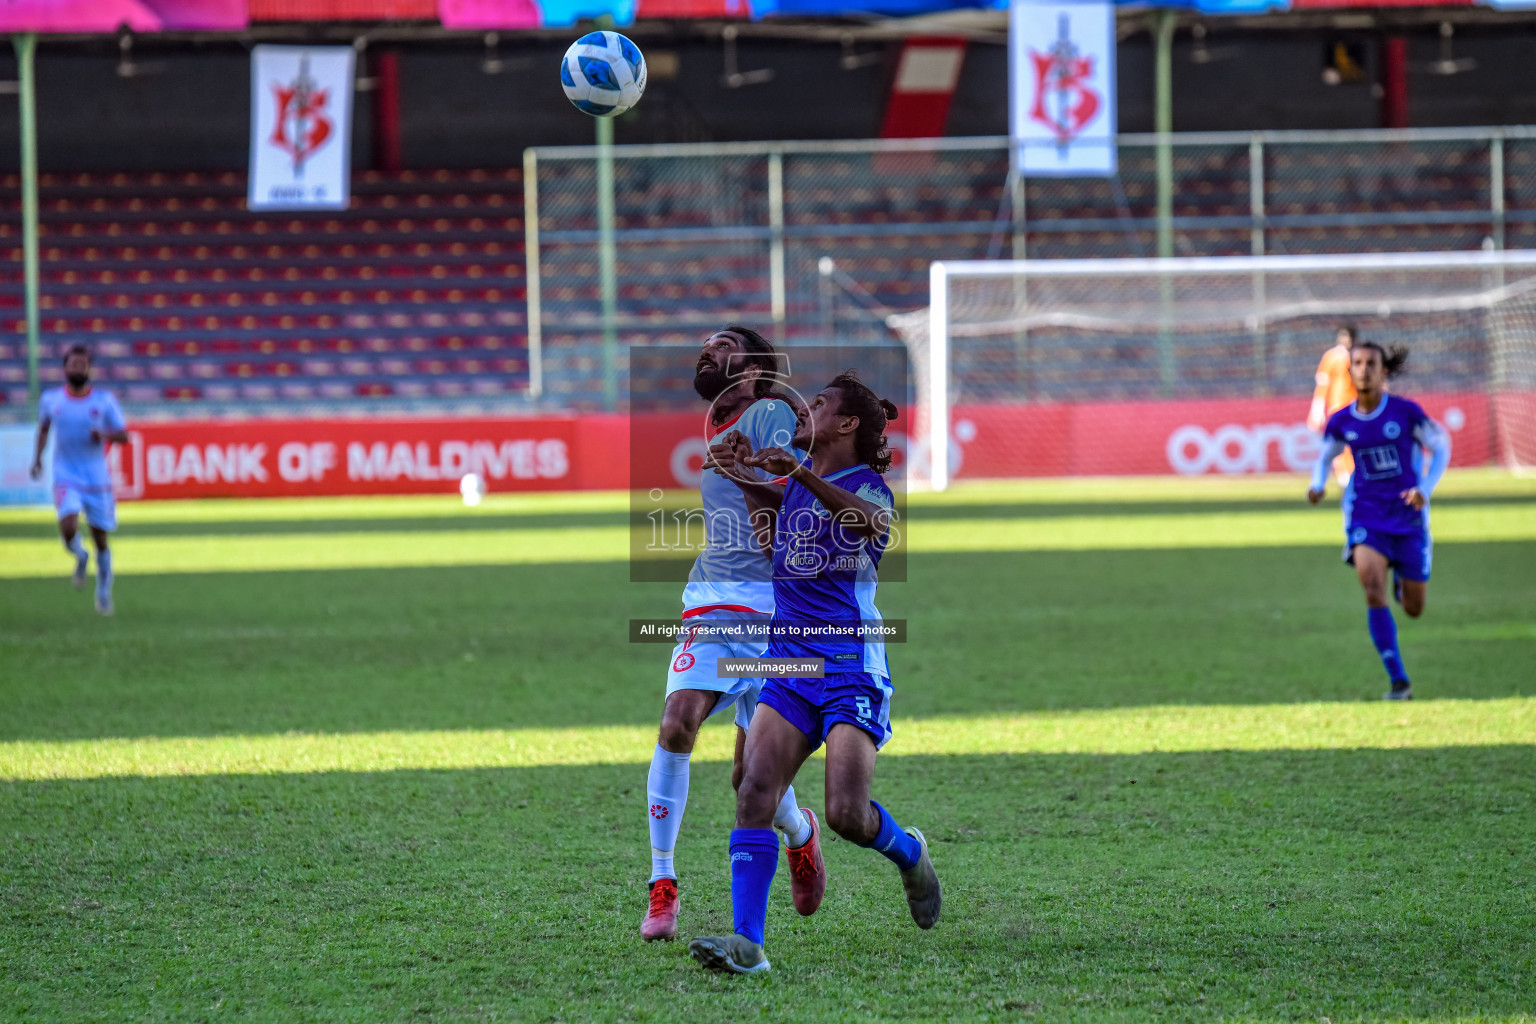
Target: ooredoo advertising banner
[{"x": 1186, "y": 438}]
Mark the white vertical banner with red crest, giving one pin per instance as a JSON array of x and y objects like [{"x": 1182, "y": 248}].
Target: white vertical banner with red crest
[
  {"x": 1061, "y": 68},
  {"x": 301, "y": 127}
]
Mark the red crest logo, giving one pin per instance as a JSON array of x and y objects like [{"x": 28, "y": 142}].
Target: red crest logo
[
  {"x": 1064, "y": 102},
  {"x": 659, "y": 811},
  {"x": 303, "y": 125},
  {"x": 683, "y": 663}
]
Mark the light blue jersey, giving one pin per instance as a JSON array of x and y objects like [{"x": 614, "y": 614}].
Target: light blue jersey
[
  {"x": 79, "y": 462},
  {"x": 732, "y": 573}
]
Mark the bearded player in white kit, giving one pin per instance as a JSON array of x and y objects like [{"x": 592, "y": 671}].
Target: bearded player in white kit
[
  {"x": 83, "y": 421},
  {"x": 729, "y": 588}
]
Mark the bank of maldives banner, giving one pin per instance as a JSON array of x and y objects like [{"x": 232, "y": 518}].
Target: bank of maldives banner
[
  {"x": 290, "y": 458},
  {"x": 301, "y": 127},
  {"x": 1061, "y": 69}
]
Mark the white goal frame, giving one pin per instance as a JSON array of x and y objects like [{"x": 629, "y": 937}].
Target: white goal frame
[{"x": 941, "y": 274}]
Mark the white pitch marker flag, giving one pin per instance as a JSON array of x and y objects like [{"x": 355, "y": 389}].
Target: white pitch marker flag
[
  {"x": 301, "y": 127},
  {"x": 1061, "y": 70}
]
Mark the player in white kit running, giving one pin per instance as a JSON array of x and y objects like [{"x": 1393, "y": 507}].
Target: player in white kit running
[
  {"x": 730, "y": 587},
  {"x": 82, "y": 420}
]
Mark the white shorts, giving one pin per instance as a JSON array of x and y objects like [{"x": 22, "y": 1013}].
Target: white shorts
[
  {"x": 100, "y": 507},
  {"x": 694, "y": 667}
]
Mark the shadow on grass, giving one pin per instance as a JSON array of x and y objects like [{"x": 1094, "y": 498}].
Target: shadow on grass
[
  {"x": 545, "y": 645},
  {"x": 1278, "y": 885},
  {"x": 480, "y": 521}
]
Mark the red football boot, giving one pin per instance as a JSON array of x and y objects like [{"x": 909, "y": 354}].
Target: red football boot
[
  {"x": 661, "y": 919},
  {"x": 807, "y": 871}
]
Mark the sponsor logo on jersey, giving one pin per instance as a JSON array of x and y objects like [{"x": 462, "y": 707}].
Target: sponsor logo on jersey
[
  {"x": 683, "y": 663},
  {"x": 1379, "y": 463}
]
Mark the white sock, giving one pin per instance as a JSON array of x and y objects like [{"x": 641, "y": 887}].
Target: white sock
[
  {"x": 788, "y": 819},
  {"x": 76, "y": 548},
  {"x": 667, "y": 789}
]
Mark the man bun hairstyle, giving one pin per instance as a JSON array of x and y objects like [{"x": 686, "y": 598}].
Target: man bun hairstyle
[
  {"x": 1393, "y": 357},
  {"x": 874, "y": 412},
  {"x": 760, "y": 353},
  {"x": 76, "y": 349}
]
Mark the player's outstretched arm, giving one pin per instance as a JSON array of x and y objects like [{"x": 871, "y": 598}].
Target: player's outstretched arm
[
  {"x": 1332, "y": 449},
  {"x": 1317, "y": 414},
  {"x": 43, "y": 426},
  {"x": 728, "y": 458},
  {"x": 847, "y": 509},
  {"x": 1438, "y": 440}
]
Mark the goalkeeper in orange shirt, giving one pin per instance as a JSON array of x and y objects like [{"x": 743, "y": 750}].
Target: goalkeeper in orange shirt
[{"x": 1334, "y": 391}]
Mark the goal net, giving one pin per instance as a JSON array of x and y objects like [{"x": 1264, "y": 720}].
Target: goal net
[{"x": 1036, "y": 332}]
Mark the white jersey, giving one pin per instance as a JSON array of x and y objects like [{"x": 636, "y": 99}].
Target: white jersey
[
  {"x": 79, "y": 462},
  {"x": 732, "y": 573}
]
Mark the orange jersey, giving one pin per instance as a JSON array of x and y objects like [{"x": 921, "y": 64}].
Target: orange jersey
[{"x": 1333, "y": 384}]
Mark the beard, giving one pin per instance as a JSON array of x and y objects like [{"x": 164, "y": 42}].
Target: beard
[
  {"x": 78, "y": 380},
  {"x": 710, "y": 383}
]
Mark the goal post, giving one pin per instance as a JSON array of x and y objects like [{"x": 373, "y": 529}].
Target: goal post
[{"x": 1018, "y": 332}]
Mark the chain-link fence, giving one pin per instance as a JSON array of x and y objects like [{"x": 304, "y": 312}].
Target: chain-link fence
[{"x": 822, "y": 241}]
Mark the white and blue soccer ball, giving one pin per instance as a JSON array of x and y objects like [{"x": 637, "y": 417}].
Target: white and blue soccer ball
[{"x": 603, "y": 73}]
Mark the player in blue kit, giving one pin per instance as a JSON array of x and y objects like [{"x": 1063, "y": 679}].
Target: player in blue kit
[
  {"x": 82, "y": 420},
  {"x": 829, "y": 531},
  {"x": 729, "y": 587},
  {"x": 1386, "y": 505}
]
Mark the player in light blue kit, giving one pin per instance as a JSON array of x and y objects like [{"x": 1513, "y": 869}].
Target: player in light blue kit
[
  {"x": 729, "y": 586},
  {"x": 82, "y": 420},
  {"x": 1386, "y": 505},
  {"x": 829, "y": 532}
]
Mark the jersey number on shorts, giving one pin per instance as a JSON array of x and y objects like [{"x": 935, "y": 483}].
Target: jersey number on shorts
[{"x": 861, "y": 705}]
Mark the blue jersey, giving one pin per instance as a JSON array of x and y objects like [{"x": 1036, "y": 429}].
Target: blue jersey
[
  {"x": 825, "y": 574},
  {"x": 1388, "y": 445},
  {"x": 78, "y": 461}
]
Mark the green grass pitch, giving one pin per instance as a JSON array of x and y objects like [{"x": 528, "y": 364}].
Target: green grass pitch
[{"x": 384, "y": 760}]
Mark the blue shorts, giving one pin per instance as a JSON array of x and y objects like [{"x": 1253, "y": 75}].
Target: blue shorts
[
  {"x": 814, "y": 706},
  {"x": 1409, "y": 553}
]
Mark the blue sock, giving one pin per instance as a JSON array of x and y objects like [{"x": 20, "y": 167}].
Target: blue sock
[
  {"x": 1384, "y": 636},
  {"x": 75, "y": 547},
  {"x": 894, "y": 844},
  {"x": 104, "y": 569},
  {"x": 754, "y": 859}
]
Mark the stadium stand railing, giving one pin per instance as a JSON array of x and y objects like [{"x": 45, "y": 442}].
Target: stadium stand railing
[
  {"x": 826, "y": 240},
  {"x": 414, "y": 298}
]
